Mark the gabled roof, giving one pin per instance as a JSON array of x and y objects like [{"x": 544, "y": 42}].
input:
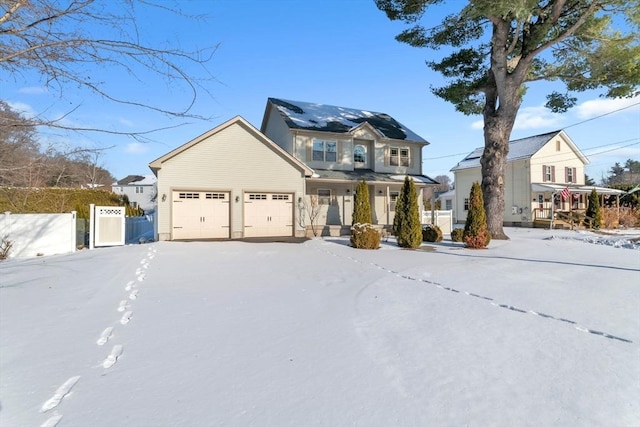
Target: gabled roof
[
  {"x": 157, "y": 163},
  {"x": 520, "y": 149},
  {"x": 330, "y": 118},
  {"x": 137, "y": 180}
]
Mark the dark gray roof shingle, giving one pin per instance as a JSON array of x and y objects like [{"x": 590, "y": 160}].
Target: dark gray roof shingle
[{"x": 330, "y": 118}]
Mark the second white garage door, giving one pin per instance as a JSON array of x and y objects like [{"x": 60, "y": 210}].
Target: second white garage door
[{"x": 268, "y": 214}]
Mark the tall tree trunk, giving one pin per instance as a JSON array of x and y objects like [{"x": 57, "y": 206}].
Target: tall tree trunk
[{"x": 494, "y": 163}]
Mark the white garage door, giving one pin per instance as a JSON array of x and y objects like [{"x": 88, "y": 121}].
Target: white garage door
[
  {"x": 268, "y": 214},
  {"x": 200, "y": 215}
]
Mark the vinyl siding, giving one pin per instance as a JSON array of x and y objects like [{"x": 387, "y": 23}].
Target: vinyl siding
[
  {"x": 549, "y": 156},
  {"x": 278, "y": 131},
  {"x": 231, "y": 160}
]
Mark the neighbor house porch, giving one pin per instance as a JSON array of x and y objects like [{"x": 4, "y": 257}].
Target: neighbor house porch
[{"x": 562, "y": 206}]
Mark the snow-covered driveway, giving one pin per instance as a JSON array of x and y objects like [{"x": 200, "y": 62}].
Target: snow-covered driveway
[{"x": 533, "y": 331}]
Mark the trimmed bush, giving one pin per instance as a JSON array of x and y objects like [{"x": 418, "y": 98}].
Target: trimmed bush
[
  {"x": 456, "y": 234},
  {"x": 476, "y": 233},
  {"x": 361, "y": 207},
  {"x": 406, "y": 223},
  {"x": 594, "y": 212},
  {"x": 364, "y": 236},
  {"x": 431, "y": 233}
]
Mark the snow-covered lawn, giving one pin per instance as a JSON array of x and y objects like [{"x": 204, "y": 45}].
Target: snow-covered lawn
[{"x": 543, "y": 329}]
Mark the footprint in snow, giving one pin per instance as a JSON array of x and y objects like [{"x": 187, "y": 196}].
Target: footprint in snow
[
  {"x": 124, "y": 304},
  {"x": 60, "y": 393},
  {"x": 144, "y": 260},
  {"x": 126, "y": 317},
  {"x": 111, "y": 360},
  {"x": 129, "y": 285},
  {"x": 138, "y": 271},
  {"x": 52, "y": 421},
  {"x": 104, "y": 337},
  {"x": 134, "y": 294},
  {"x": 141, "y": 278}
]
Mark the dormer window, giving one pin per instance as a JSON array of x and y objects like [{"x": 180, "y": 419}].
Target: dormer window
[
  {"x": 398, "y": 156},
  {"x": 324, "y": 150}
]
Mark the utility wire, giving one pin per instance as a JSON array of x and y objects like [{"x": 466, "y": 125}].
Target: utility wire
[{"x": 565, "y": 127}]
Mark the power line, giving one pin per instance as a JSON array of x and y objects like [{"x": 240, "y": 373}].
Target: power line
[
  {"x": 602, "y": 115},
  {"x": 565, "y": 127}
]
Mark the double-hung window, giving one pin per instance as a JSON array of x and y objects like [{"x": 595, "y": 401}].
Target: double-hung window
[
  {"x": 325, "y": 150},
  {"x": 398, "y": 156},
  {"x": 570, "y": 174},
  {"x": 393, "y": 199}
]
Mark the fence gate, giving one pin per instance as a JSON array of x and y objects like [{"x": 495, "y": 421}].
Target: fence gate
[{"x": 109, "y": 225}]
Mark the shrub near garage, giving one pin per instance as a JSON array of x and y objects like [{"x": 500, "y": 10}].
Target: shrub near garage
[
  {"x": 431, "y": 233},
  {"x": 364, "y": 236}
]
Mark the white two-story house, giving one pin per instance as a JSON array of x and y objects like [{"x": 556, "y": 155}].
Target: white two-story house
[
  {"x": 235, "y": 181},
  {"x": 139, "y": 189},
  {"x": 343, "y": 146},
  {"x": 544, "y": 176}
]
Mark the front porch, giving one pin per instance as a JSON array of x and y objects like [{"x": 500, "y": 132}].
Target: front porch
[{"x": 564, "y": 207}]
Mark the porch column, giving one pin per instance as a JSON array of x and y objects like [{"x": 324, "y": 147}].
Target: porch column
[{"x": 388, "y": 202}]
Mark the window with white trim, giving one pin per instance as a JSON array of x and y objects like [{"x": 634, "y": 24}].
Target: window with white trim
[
  {"x": 398, "y": 156},
  {"x": 325, "y": 150},
  {"x": 359, "y": 154},
  {"x": 324, "y": 196},
  {"x": 139, "y": 189},
  {"x": 448, "y": 204},
  {"x": 393, "y": 199},
  {"x": 548, "y": 173},
  {"x": 570, "y": 174}
]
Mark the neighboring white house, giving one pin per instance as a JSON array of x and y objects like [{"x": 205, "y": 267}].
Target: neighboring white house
[
  {"x": 343, "y": 146},
  {"x": 538, "y": 169},
  {"x": 140, "y": 189}
]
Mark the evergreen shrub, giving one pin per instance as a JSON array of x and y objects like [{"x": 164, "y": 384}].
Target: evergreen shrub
[
  {"x": 361, "y": 207},
  {"x": 594, "y": 212},
  {"x": 364, "y": 236},
  {"x": 476, "y": 233},
  {"x": 406, "y": 223},
  {"x": 431, "y": 233},
  {"x": 456, "y": 234}
]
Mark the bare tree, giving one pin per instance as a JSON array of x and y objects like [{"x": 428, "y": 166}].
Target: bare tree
[
  {"x": 60, "y": 40},
  {"x": 310, "y": 208}
]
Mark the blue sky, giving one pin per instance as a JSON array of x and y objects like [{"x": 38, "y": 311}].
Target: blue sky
[{"x": 325, "y": 51}]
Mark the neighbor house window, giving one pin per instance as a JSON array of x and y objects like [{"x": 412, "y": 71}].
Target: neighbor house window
[
  {"x": 398, "y": 156},
  {"x": 557, "y": 145},
  {"x": 548, "y": 173},
  {"x": 139, "y": 189},
  {"x": 393, "y": 198},
  {"x": 466, "y": 204},
  {"x": 324, "y": 196},
  {"x": 570, "y": 174},
  {"x": 324, "y": 150},
  {"x": 359, "y": 154},
  {"x": 447, "y": 204}
]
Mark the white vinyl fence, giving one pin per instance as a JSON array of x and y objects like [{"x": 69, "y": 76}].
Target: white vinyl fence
[
  {"x": 443, "y": 219},
  {"x": 39, "y": 234}
]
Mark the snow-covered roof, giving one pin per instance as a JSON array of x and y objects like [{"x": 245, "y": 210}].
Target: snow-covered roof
[
  {"x": 519, "y": 149},
  {"x": 330, "y": 118},
  {"x": 137, "y": 180}
]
